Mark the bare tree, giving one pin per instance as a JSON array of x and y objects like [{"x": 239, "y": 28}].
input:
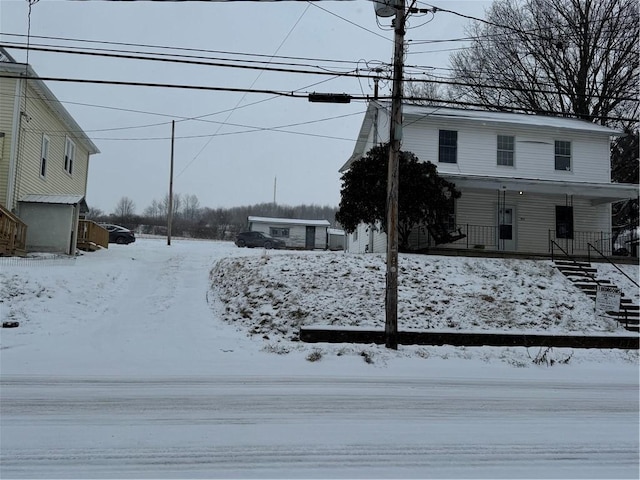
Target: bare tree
[
  {"x": 177, "y": 205},
  {"x": 425, "y": 92},
  {"x": 94, "y": 213},
  {"x": 154, "y": 210},
  {"x": 125, "y": 208},
  {"x": 190, "y": 208},
  {"x": 570, "y": 57}
]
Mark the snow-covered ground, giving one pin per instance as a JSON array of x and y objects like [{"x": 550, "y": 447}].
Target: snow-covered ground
[{"x": 159, "y": 361}]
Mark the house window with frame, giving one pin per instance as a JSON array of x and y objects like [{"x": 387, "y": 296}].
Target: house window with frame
[
  {"x": 506, "y": 150},
  {"x": 44, "y": 156},
  {"x": 563, "y": 155},
  {"x": 448, "y": 146},
  {"x": 278, "y": 232},
  {"x": 69, "y": 155}
]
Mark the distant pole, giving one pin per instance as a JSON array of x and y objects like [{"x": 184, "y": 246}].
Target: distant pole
[
  {"x": 275, "y": 183},
  {"x": 395, "y": 137},
  {"x": 170, "y": 212}
]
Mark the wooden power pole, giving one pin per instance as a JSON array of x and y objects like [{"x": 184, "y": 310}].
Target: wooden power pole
[
  {"x": 170, "y": 212},
  {"x": 395, "y": 138}
]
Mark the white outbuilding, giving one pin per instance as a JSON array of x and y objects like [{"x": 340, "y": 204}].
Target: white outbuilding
[{"x": 296, "y": 233}]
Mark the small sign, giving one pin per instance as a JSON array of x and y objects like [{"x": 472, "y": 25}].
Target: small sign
[{"x": 607, "y": 299}]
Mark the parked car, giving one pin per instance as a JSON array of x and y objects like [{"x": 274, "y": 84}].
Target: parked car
[
  {"x": 258, "y": 239},
  {"x": 118, "y": 234}
]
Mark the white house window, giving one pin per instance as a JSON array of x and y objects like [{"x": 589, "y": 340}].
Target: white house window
[
  {"x": 506, "y": 150},
  {"x": 278, "y": 232},
  {"x": 69, "y": 155},
  {"x": 563, "y": 155},
  {"x": 44, "y": 156},
  {"x": 448, "y": 146}
]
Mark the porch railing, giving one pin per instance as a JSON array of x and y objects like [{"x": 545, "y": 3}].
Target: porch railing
[
  {"x": 91, "y": 235},
  {"x": 480, "y": 237},
  {"x": 13, "y": 234},
  {"x": 607, "y": 243}
]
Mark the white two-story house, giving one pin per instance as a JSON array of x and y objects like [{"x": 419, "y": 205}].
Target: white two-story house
[{"x": 526, "y": 180}]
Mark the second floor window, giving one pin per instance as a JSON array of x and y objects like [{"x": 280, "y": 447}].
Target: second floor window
[
  {"x": 279, "y": 232},
  {"x": 563, "y": 155},
  {"x": 506, "y": 150},
  {"x": 69, "y": 155},
  {"x": 448, "y": 146},
  {"x": 44, "y": 156}
]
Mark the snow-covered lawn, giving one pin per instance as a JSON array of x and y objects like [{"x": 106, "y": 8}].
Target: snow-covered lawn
[
  {"x": 124, "y": 299},
  {"x": 183, "y": 361}
]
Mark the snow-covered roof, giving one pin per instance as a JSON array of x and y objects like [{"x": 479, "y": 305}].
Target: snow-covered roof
[
  {"x": 492, "y": 117},
  {"x": 289, "y": 221},
  {"x": 335, "y": 231},
  {"x": 59, "y": 199}
]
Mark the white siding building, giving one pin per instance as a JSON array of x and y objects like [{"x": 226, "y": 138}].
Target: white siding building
[
  {"x": 296, "y": 233},
  {"x": 525, "y": 179}
]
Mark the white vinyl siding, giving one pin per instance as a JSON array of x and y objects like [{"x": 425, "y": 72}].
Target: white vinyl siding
[
  {"x": 535, "y": 151},
  {"x": 44, "y": 156},
  {"x": 297, "y": 234},
  {"x": 535, "y": 216}
]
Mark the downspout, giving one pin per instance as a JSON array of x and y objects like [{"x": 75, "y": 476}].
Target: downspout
[{"x": 14, "y": 152}]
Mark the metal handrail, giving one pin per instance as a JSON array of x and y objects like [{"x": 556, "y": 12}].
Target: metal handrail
[
  {"x": 589, "y": 247},
  {"x": 588, "y": 274}
]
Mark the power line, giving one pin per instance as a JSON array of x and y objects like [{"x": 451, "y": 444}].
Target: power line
[
  {"x": 180, "y": 49},
  {"x": 188, "y": 62}
]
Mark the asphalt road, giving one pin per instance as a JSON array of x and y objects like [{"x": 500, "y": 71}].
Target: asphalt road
[{"x": 321, "y": 427}]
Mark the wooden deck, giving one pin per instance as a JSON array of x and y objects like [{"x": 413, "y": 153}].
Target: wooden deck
[
  {"x": 91, "y": 236},
  {"x": 13, "y": 234}
]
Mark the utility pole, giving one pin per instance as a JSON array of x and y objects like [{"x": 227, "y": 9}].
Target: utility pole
[
  {"x": 170, "y": 212},
  {"x": 395, "y": 137}
]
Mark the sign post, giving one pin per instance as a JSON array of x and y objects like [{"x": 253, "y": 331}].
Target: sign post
[{"x": 607, "y": 300}]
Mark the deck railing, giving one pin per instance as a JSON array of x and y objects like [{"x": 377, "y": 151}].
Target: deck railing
[
  {"x": 13, "y": 234},
  {"x": 91, "y": 235}
]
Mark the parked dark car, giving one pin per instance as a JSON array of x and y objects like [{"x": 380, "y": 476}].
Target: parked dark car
[
  {"x": 258, "y": 239},
  {"x": 118, "y": 234}
]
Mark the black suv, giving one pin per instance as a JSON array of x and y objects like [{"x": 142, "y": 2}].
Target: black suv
[{"x": 258, "y": 239}]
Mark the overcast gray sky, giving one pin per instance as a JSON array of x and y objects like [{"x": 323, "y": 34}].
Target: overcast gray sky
[{"x": 241, "y": 142}]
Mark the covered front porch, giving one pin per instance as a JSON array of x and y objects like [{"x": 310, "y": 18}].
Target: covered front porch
[
  {"x": 524, "y": 216},
  {"x": 486, "y": 238}
]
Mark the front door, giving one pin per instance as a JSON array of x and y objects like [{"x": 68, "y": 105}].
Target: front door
[
  {"x": 506, "y": 228},
  {"x": 310, "y": 242}
]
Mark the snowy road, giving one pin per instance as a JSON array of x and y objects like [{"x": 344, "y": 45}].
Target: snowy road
[{"x": 243, "y": 427}]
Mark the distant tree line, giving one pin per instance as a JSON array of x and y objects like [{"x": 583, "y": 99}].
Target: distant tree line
[{"x": 190, "y": 219}]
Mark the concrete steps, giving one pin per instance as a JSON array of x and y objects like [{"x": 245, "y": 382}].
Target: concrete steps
[{"x": 585, "y": 277}]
